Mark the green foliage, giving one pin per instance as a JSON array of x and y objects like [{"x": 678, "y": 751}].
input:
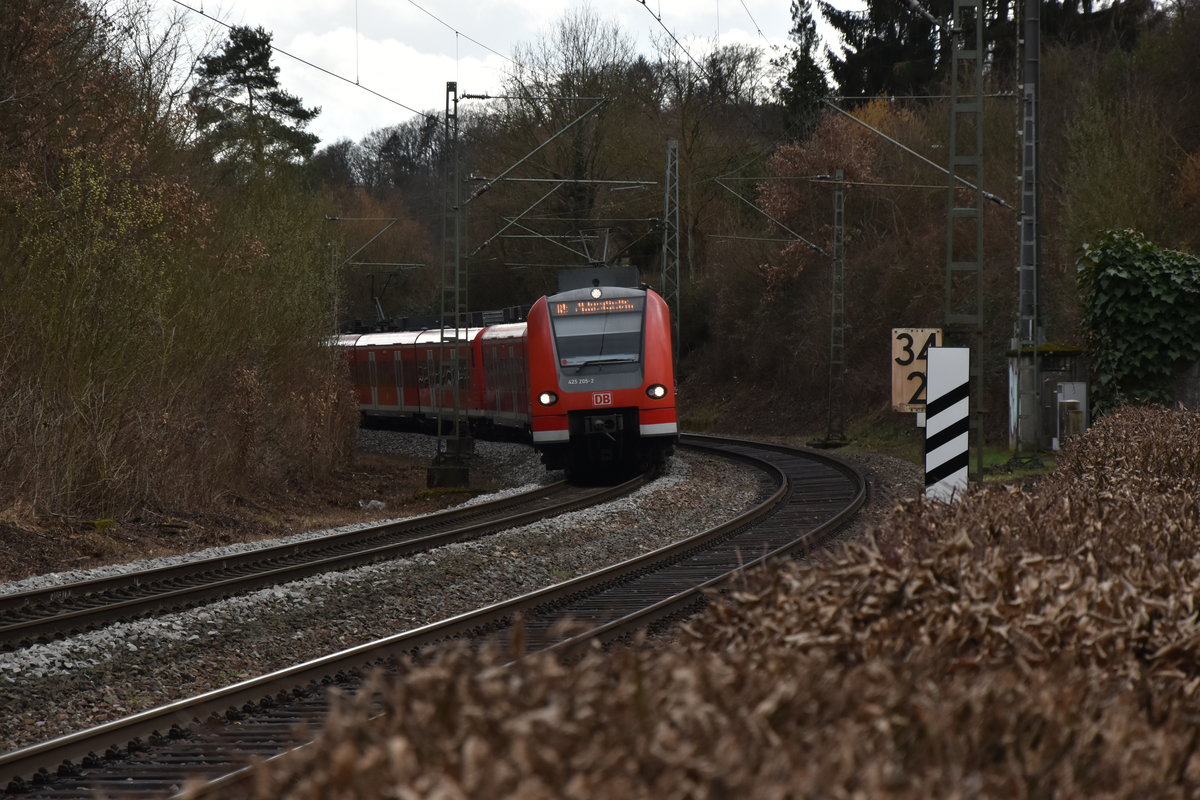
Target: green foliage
[{"x": 1141, "y": 308}]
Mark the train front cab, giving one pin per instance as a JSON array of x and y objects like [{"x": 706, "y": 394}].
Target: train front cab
[{"x": 601, "y": 380}]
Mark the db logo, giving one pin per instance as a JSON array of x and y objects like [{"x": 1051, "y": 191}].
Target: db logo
[{"x": 602, "y": 398}]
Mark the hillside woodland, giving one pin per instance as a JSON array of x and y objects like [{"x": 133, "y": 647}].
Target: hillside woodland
[{"x": 178, "y": 250}]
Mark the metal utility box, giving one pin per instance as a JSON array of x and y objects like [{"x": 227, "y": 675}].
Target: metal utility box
[
  {"x": 1060, "y": 370},
  {"x": 1072, "y": 418}
]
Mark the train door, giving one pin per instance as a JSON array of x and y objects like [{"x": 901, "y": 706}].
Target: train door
[
  {"x": 429, "y": 381},
  {"x": 411, "y": 371},
  {"x": 520, "y": 362},
  {"x": 511, "y": 379},
  {"x": 373, "y": 378},
  {"x": 495, "y": 382},
  {"x": 361, "y": 372},
  {"x": 399, "y": 372},
  {"x": 385, "y": 380}
]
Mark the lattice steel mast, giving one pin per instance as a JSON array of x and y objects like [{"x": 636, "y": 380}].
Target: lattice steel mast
[
  {"x": 670, "y": 250},
  {"x": 449, "y": 466},
  {"x": 964, "y": 225}
]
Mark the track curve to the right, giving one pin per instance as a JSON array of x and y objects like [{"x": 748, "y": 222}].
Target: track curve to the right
[{"x": 816, "y": 496}]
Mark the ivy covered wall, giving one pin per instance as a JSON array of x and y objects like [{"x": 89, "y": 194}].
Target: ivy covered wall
[{"x": 1141, "y": 312}]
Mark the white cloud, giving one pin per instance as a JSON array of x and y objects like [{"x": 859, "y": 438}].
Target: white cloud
[{"x": 405, "y": 54}]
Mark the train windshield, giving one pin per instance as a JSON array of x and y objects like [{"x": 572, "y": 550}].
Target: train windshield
[{"x": 599, "y": 339}]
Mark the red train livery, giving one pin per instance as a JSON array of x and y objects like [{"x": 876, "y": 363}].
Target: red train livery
[{"x": 589, "y": 376}]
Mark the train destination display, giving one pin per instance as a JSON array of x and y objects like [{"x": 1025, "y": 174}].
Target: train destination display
[{"x": 608, "y": 305}]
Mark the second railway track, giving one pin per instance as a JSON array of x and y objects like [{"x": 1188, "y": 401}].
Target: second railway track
[
  {"x": 155, "y": 750},
  {"x": 39, "y": 614}
]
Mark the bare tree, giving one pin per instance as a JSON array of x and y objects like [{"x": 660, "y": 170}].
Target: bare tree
[{"x": 159, "y": 52}]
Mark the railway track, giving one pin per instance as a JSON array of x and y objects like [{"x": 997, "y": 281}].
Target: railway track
[
  {"x": 65, "y": 610},
  {"x": 212, "y": 736}
]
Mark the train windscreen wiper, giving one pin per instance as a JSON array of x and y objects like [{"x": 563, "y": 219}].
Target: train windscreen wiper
[{"x": 593, "y": 362}]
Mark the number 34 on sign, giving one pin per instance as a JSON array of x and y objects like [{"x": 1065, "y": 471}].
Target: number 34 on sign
[{"x": 910, "y": 346}]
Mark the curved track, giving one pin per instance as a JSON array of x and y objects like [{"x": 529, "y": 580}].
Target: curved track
[{"x": 151, "y": 753}]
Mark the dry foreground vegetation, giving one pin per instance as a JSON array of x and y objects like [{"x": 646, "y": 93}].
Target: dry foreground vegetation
[{"x": 1026, "y": 642}]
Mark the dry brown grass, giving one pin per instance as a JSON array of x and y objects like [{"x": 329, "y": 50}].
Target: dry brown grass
[
  {"x": 159, "y": 354},
  {"x": 1019, "y": 644}
]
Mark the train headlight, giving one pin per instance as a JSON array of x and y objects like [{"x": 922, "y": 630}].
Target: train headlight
[
  {"x": 656, "y": 391},
  {"x": 547, "y": 398}
]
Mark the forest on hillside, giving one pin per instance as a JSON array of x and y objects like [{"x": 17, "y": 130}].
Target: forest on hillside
[{"x": 178, "y": 249}]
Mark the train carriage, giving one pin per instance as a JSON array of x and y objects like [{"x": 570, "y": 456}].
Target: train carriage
[
  {"x": 589, "y": 376},
  {"x": 501, "y": 373}
]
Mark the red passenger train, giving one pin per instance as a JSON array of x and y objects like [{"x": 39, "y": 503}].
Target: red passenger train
[{"x": 589, "y": 376}]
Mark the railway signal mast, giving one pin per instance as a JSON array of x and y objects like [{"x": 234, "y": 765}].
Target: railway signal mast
[
  {"x": 964, "y": 224},
  {"x": 449, "y": 467},
  {"x": 1028, "y": 412},
  {"x": 670, "y": 249}
]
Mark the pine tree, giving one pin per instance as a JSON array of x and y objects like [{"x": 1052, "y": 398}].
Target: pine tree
[
  {"x": 244, "y": 118},
  {"x": 802, "y": 86},
  {"x": 893, "y": 48},
  {"x": 889, "y": 49}
]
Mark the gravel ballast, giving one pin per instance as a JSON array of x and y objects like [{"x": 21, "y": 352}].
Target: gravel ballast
[{"x": 59, "y": 687}]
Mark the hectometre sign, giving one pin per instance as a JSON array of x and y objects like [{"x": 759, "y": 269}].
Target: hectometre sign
[{"x": 910, "y": 347}]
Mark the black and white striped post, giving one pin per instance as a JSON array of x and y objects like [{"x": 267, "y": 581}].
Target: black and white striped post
[{"x": 947, "y": 422}]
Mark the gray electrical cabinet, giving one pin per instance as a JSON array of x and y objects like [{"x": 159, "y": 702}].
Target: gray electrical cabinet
[{"x": 1070, "y": 400}]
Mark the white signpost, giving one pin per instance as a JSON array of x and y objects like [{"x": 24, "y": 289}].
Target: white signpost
[{"x": 947, "y": 422}]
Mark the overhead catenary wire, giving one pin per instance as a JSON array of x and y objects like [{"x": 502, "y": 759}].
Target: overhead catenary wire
[
  {"x": 893, "y": 97},
  {"x": 679, "y": 44},
  {"x": 988, "y": 195},
  {"x": 753, "y": 20},
  {"x": 308, "y": 63},
  {"x": 457, "y": 32},
  {"x": 758, "y": 152},
  {"x": 750, "y": 238},
  {"x": 843, "y": 182},
  {"x": 797, "y": 236},
  {"x": 565, "y": 217}
]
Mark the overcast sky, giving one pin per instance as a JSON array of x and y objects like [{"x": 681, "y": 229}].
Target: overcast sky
[{"x": 406, "y": 50}]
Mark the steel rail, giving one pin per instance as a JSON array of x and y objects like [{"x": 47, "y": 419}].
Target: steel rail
[
  {"x": 804, "y": 506},
  {"x": 692, "y": 598},
  {"x": 34, "y": 615}
]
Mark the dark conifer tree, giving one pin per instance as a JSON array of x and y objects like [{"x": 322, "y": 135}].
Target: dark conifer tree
[
  {"x": 802, "y": 86},
  {"x": 244, "y": 117},
  {"x": 888, "y": 49},
  {"x": 894, "y": 48}
]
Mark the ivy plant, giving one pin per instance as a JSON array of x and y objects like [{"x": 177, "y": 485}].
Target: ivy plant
[{"x": 1141, "y": 311}]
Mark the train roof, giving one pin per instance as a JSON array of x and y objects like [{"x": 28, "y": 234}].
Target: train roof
[
  {"x": 508, "y": 330},
  {"x": 604, "y": 291},
  {"x": 403, "y": 338}
]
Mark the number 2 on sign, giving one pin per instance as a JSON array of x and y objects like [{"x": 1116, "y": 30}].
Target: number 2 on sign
[{"x": 918, "y": 396}]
